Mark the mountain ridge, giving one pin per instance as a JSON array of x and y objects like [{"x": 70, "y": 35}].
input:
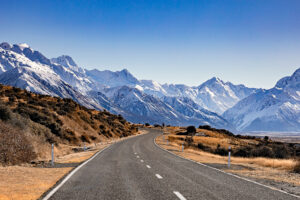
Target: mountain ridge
[{"x": 141, "y": 100}]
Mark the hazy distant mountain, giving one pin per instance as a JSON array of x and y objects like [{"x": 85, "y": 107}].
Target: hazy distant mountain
[{"x": 276, "y": 109}]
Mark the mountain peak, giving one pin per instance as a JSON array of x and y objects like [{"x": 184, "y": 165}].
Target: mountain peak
[
  {"x": 294, "y": 79},
  {"x": 5, "y": 45},
  {"x": 23, "y": 46},
  {"x": 68, "y": 62},
  {"x": 213, "y": 80},
  {"x": 64, "y": 60},
  {"x": 125, "y": 71},
  {"x": 20, "y": 47},
  {"x": 296, "y": 73}
]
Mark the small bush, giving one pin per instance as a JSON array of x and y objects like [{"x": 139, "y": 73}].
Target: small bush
[
  {"x": 266, "y": 138},
  {"x": 221, "y": 151},
  {"x": 242, "y": 152},
  {"x": 297, "y": 166},
  {"x": 263, "y": 151},
  {"x": 189, "y": 140},
  {"x": 85, "y": 138},
  {"x": 15, "y": 148},
  {"x": 201, "y": 146},
  {"x": 281, "y": 151},
  {"x": 206, "y": 127},
  {"x": 191, "y": 129},
  {"x": 5, "y": 113}
]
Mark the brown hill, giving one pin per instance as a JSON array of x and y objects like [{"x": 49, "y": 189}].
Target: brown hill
[{"x": 39, "y": 120}]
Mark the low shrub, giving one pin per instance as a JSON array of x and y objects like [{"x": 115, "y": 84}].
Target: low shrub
[
  {"x": 191, "y": 130},
  {"x": 201, "y": 146},
  {"x": 5, "y": 113},
  {"x": 223, "y": 131},
  {"x": 221, "y": 151},
  {"x": 15, "y": 148},
  {"x": 242, "y": 152},
  {"x": 263, "y": 151},
  {"x": 85, "y": 138},
  {"x": 297, "y": 166}
]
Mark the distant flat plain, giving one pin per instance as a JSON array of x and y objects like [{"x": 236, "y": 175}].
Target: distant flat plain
[{"x": 290, "y": 137}]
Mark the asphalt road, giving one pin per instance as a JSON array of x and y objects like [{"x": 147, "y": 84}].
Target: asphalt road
[{"x": 137, "y": 169}]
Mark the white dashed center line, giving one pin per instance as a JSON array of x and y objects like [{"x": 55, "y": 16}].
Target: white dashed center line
[
  {"x": 138, "y": 157},
  {"x": 180, "y": 196},
  {"x": 135, "y": 153},
  {"x": 142, "y": 161},
  {"x": 148, "y": 166},
  {"x": 158, "y": 176}
]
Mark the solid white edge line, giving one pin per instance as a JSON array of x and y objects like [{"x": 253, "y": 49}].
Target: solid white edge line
[
  {"x": 52, "y": 192},
  {"x": 71, "y": 174},
  {"x": 158, "y": 176},
  {"x": 180, "y": 196},
  {"x": 230, "y": 174},
  {"x": 148, "y": 166}
]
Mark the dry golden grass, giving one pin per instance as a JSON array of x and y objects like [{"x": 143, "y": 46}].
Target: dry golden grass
[
  {"x": 27, "y": 182},
  {"x": 266, "y": 168}
]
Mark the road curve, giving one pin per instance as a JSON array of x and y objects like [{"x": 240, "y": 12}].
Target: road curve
[{"x": 137, "y": 169}]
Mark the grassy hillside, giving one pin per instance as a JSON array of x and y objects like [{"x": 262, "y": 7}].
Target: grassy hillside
[{"x": 39, "y": 120}]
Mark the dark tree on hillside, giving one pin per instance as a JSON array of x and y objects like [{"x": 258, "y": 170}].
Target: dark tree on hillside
[{"x": 191, "y": 130}]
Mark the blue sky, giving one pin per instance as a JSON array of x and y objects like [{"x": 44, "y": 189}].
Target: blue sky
[{"x": 175, "y": 41}]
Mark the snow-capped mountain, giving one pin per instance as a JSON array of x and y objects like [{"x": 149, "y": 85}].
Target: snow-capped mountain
[
  {"x": 276, "y": 109},
  {"x": 67, "y": 62},
  {"x": 214, "y": 94},
  {"x": 119, "y": 92},
  {"x": 75, "y": 76},
  {"x": 112, "y": 79},
  {"x": 219, "y": 96},
  {"x": 193, "y": 112},
  {"x": 28, "y": 73},
  {"x": 140, "y": 107}
]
